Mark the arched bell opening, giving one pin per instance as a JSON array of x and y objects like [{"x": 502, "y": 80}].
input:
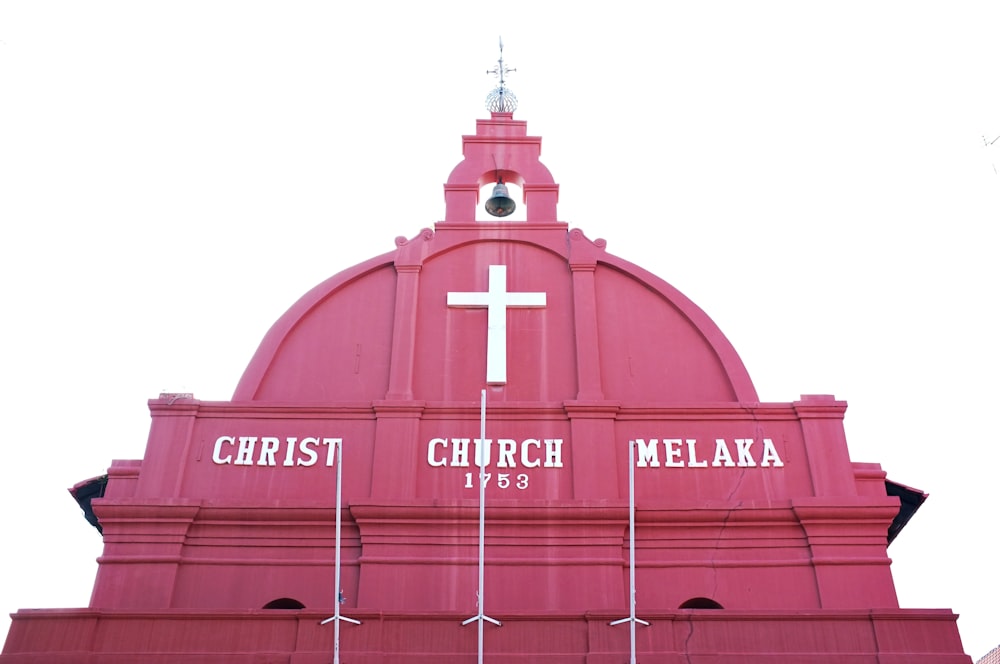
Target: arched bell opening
[
  {"x": 700, "y": 603},
  {"x": 284, "y": 603}
]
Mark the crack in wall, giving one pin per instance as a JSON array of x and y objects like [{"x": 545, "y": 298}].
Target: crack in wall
[{"x": 687, "y": 639}]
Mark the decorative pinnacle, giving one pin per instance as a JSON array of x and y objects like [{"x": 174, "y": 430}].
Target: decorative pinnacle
[{"x": 501, "y": 99}]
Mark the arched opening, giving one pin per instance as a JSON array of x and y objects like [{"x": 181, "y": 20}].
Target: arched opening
[
  {"x": 284, "y": 603},
  {"x": 700, "y": 603}
]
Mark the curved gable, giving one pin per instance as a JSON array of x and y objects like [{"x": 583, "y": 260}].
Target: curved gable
[
  {"x": 332, "y": 345},
  {"x": 657, "y": 345},
  {"x": 609, "y": 329}
]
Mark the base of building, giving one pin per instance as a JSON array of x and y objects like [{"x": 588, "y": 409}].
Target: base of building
[{"x": 87, "y": 636}]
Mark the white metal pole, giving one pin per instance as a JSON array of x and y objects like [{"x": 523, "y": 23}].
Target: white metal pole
[
  {"x": 482, "y": 519},
  {"x": 481, "y": 616},
  {"x": 631, "y": 620},
  {"x": 336, "y": 567},
  {"x": 631, "y": 545}
]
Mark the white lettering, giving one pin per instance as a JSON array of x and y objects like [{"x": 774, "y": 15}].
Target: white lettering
[
  {"x": 743, "y": 449},
  {"x": 460, "y": 452},
  {"x": 290, "y": 451},
  {"x": 304, "y": 448},
  {"x": 505, "y": 453},
  {"x": 480, "y": 454},
  {"x": 770, "y": 455},
  {"x": 722, "y": 456},
  {"x": 647, "y": 453},
  {"x": 217, "y": 453},
  {"x": 432, "y": 458},
  {"x": 673, "y": 452},
  {"x": 244, "y": 456},
  {"x": 528, "y": 453},
  {"x": 692, "y": 456},
  {"x": 247, "y": 452},
  {"x": 331, "y": 447},
  {"x": 673, "y": 449},
  {"x": 553, "y": 453},
  {"x": 525, "y": 461},
  {"x": 268, "y": 446}
]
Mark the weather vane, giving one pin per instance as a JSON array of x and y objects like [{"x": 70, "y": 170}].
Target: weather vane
[{"x": 501, "y": 99}]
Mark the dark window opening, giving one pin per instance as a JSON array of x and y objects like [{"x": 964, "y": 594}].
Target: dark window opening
[
  {"x": 284, "y": 603},
  {"x": 700, "y": 603}
]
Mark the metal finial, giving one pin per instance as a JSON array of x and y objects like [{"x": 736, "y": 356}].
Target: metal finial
[{"x": 501, "y": 99}]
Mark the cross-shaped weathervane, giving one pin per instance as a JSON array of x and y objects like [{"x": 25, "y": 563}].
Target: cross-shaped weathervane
[{"x": 501, "y": 69}]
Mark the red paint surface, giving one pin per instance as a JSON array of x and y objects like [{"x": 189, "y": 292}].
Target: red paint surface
[{"x": 194, "y": 549}]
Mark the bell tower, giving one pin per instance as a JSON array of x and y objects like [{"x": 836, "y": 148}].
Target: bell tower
[{"x": 501, "y": 152}]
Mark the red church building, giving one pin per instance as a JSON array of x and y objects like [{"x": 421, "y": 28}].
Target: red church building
[{"x": 623, "y": 447}]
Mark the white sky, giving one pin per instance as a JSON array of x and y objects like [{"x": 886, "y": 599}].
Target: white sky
[{"x": 174, "y": 175}]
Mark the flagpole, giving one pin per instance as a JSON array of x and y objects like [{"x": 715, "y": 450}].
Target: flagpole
[
  {"x": 482, "y": 519},
  {"x": 337, "y": 590},
  {"x": 481, "y": 617},
  {"x": 632, "y": 620}
]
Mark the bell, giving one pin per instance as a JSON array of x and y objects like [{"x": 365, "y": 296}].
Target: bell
[{"x": 500, "y": 204}]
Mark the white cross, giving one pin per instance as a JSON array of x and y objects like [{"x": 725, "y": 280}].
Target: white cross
[{"x": 496, "y": 300}]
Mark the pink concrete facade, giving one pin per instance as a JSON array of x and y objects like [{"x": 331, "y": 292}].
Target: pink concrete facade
[{"x": 752, "y": 507}]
